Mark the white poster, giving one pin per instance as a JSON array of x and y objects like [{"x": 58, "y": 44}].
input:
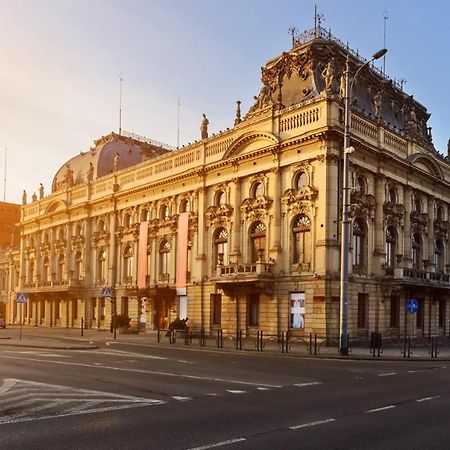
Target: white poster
[
  {"x": 297, "y": 310},
  {"x": 183, "y": 307}
]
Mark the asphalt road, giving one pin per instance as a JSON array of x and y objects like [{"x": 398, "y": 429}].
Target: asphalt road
[{"x": 137, "y": 396}]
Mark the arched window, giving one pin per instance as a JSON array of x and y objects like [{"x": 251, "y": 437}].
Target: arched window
[
  {"x": 185, "y": 206},
  {"x": 46, "y": 269},
  {"x": 301, "y": 229},
  {"x": 30, "y": 271},
  {"x": 439, "y": 255},
  {"x": 78, "y": 230},
  {"x": 78, "y": 265},
  {"x": 127, "y": 264},
  {"x": 392, "y": 196},
  {"x": 164, "y": 250},
  {"x": 220, "y": 198},
  {"x": 60, "y": 234},
  {"x": 101, "y": 267},
  {"x": 417, "y": 205},
  {"x": 391, "y": 246},
  {"x": 257, "y": 241},
  {"x": 416, "y": 245},
  {"x": 164, "y": 212},
  {"x": 300, "y": 181},
  {"x": 360, "y": 185},
  {"x": 440, "y": 213},
  {"x": 145, "y": 215},
  {"x": 127, "y": 220},
  {"x": 359, "y": 243},
  {"x": 257, "y": 190},
  {"x": 101, "y": 227},
  {"x": 60, "y": 268},
  {"x": 221, "y": 247}
]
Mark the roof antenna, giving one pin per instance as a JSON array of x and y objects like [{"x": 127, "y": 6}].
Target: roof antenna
[
  {"x": 292, "y": 31},
  {"x": 385, "y": 17},
  {"x": 318, "y": 18},
  {"x": 120, "y": 104},
  {"x": 4, "y": 179},
  {"x": 178, "y": 121}
]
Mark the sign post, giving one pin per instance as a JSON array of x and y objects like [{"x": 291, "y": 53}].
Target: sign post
[
  {"x": 412, "y": 306},
  {"x": 21, "y": 298},
  {"x": 107, "y": 293}
]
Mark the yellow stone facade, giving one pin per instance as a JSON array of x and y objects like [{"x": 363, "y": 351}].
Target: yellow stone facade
[{"x": 264, "y": 202}]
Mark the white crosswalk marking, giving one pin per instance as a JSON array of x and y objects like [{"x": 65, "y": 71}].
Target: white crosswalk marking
[{"x": 27, "y": 400}]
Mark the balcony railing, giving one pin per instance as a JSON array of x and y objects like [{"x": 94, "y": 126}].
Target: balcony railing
[
  {"x": 422, "y": 275},
  {"x": 257, "y": 268}
]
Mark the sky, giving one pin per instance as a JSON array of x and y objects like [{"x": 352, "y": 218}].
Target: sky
[{"x": 61, "y": 62}]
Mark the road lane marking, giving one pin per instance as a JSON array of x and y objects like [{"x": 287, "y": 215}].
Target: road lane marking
[
  {"x": 62, "y": 400},
  {"x": 388, "y": 374},
  {"x": 425, "y": 399},
  {"x": 415, "y": 371},
  {"x": 383, "y": 408},
  {"x": 232, "y": 391},
  {"x": 311, "y": 424},
  {"x": 185, "y": 362},
  {"x": 181, "y": 399},
  {"x": 311, "y": 383},
  {"x": 263, "y": 389},
  {"x": 218, "y": 444},
  {"x": 143, "y": 371}
]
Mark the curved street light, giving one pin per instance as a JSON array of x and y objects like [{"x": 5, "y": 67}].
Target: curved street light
[{"x": 345, "y": 237}]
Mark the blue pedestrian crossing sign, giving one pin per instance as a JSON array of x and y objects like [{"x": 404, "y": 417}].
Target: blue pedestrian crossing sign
[
  {"x": 107, "y": 291},
  {"x": 412, "y": 305},
  {"x": 21, "y": 297}
]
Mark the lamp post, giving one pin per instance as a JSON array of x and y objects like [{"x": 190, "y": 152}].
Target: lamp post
[{"x": 346, "y": 222}]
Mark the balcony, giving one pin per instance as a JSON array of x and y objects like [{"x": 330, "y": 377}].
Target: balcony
[
  {"x": 52, "y": 285},
  {"x": 244, "y": 272},
  {"x": 418, "y": 277}
]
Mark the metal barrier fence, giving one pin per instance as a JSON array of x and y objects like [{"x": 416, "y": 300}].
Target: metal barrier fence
[{"x": 377, "y": 345}]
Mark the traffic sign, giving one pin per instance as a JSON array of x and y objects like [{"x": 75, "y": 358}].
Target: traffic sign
[
  {"x": 412, "y": 305},
  {"x": 21, "y": 297},
  {"x": 107, "y": 291}
]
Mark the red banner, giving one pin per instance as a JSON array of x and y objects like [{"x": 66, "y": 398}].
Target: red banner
[
  {"x": 142, "y": 256},
  {"x": 182, "y": 247}
]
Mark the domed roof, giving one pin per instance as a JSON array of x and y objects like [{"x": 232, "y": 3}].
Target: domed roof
[{"x": 110, "y": 153}]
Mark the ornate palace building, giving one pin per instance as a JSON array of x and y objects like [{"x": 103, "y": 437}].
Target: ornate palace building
[{"x": 241, "y": 230}]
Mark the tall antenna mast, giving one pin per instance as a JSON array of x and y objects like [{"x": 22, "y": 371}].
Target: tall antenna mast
[
  {"x": 385, "y": 17},
  {"x": 178, "y": 121},
  {"x": 120, "y": 105},
  {"x": 4, "y": 178}
]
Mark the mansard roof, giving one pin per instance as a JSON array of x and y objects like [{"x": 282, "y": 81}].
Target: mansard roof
[{"x": 314, "y": 69}]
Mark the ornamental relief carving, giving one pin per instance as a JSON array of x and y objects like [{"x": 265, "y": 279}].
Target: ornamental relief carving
[
  {"x": 219, "y": 212},
  {"x": 394, "y": 214},
  {"x": 100, "y": 237},
  {"x": 362, "y": 205},
  {"x": 441, "y": 229},
  {"x": 77, "y": 242},
  {"x": 420, "y": 220},
  {"x": 255, "y": 208}
]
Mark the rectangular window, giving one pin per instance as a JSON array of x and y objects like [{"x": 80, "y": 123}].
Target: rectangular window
[
  {"x": 124, "y": 306},
  {"x": 216, "y": 309},
  {"x": 420, "y": 316},
  {"x": 363, "y": 300},
  {"x": 395, "y": 311},
  {"x": 297, "y": 310},
  {"x": 441, "y": 313},
  {"x": 101, "y": 308},
  {"x": 253, "y": 309}
]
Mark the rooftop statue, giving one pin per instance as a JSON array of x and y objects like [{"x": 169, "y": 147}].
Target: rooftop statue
[
  {"x": 41, "y": 191},
  {"x": 204, "y": 127},
  {"x": 24, "y": 197},
  {"x": 90, "y": 172}
]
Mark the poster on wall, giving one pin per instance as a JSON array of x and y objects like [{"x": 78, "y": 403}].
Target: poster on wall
[{"x": 297, "y": 310}]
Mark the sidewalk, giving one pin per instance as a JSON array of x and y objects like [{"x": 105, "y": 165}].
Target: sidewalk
[{"x": 71, "y": 339}]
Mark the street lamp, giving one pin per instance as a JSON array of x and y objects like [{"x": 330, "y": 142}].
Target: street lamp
[{"x": 345, "y": 237}]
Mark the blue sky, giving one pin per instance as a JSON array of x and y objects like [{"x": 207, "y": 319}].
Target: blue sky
[{"x": 62, "y": 60}]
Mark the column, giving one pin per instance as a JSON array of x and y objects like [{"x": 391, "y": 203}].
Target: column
[
  {"x": 379, "y": 238},
  {"x": 431, "y": 244},
  {"x": 236, "y": 226}
]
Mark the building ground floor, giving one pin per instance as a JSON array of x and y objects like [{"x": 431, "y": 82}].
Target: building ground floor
[{"x": 296, "y": 305}]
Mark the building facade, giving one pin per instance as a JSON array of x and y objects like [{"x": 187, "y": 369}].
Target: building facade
[{"x": 241, "y": 230}]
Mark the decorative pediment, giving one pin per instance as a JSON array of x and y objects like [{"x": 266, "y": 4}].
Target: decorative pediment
[
  {"x": 251, "y": 141},
  {"x": 362, "y": 205},
  {"x": 427, "y": 164},
  {"x": 441, "y": 229},
  {"x": 255, "y": 208},
  {"x": 394, "y": 214},
  {"x": 77, "y": 242},
  {"x": 56, "y": 206}
]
